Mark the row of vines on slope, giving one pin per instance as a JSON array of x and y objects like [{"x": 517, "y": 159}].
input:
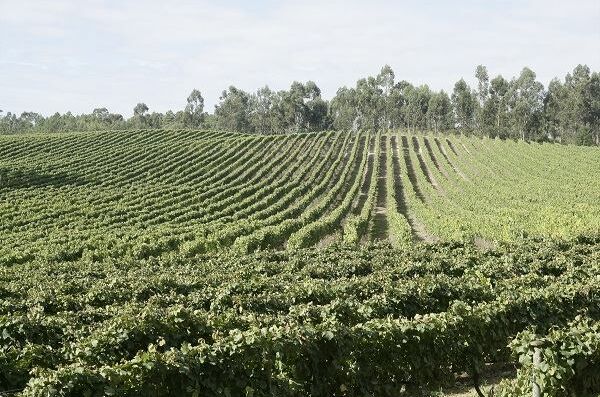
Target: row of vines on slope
[{"x": 335, "y": 321}]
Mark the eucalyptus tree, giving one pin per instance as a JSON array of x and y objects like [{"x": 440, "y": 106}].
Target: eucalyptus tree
[
  {"x": 439, "y": 111},
  {"x": 370, "y": 103},
  {"x": 526, "y": 97},
  {"x": 292, "y": 107},
  {"x": 396, "y": 102},
  {"x": 105, "y": 119},
  {"x": 497, "y": 106},
  {"x": 555, "y": 111},
  {"x": 385, "y": 80},
  {"x": 344, "y": 109},
  {"x": 415, "y": 110},
  {"x": 482, "y": 119},
  {"x": 464, "y": 104},
  {"x": 572, "y": 108},
  {"x": 232, "y": 113},
  {"x": 9, "y": 124},
  {"x": 139, "y": 115},
  {"x": 365, "y": 106},
  {"x": 569, "y": 111},
  {"x": 483, "y": 83},
  {"x": 316, "y": 109},
  {"x": 318, "y": 114},
  {"x": 194, "y": 110},
  {"x": 591, "y": 107},
  {"x": 300, "y": 108},
  {"x": 140, "y": 109},
  {"x": 262, "y": 105},
  {"x": 30, "y": 120}
]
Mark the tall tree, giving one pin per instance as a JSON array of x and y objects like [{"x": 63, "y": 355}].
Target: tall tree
[
  {"x": 483, "y": 84},
  {"x": 194, "y": 109},
  {"x": 140, "y": 109},
  {"x": 370, "y": 103},
  {"x": 526, "y": 104},
  {"x": 439, "y": 111},
  {"x": 31, "y": 119},
  {"x": 415, "y": 110},
  {"x": 291, "y": 110},
  {"x": 385, "y": 80},
  {"x": 554, "y": 108},
  {"x": 395, "y": 104},
  {"x": 139, "y": 115},
  {"x": 497, "y": 106},
  {"x": 300, "y": 108},
  {"x": 591, "y": 107},
  {"x": 262, "y": 110},
  {"x": 233, "y": 111},
  {"x": 463, "y": 102},
  {"x": 344, "y": 109},
  {"x": 316, "y": 108}
]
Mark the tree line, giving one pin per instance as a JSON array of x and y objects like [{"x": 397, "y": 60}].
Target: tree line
[{"x": 567, "y": 111}]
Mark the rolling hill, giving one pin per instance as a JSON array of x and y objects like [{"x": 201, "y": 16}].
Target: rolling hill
[
  {"x": 208, "y": 263},
  {"x": 147, "y": 193}
]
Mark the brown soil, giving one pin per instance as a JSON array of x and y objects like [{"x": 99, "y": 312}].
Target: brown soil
[
  {"x": 420, "y": 231},
  {"x": 379, "y": 229},
  {"x": 484, "y": 244}
]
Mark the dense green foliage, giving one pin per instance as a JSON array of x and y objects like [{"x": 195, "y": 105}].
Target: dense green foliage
[
  {"x": 338, "y": 321},
  {"x": 146, "y": 193},
  {"x": 519, "y": 108},
  {"x": 128, "y": 263},
  {"x": 570, "y": 361}
]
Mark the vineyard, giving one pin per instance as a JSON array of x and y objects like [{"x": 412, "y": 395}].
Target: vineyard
[
  {"x": 207, "y": 263},
  {"x": 148, "y": 193}
]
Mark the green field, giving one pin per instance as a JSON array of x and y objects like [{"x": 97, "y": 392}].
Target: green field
[
  {"x": 388, "y": 264},
  {"x": 147, "y": 193}
]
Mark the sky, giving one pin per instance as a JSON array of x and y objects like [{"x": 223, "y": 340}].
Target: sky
[{"x": 67, "y": 55}]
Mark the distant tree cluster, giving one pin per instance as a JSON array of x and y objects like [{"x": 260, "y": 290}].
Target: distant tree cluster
[
  {"x": 520, "y": 108},
  {"x": 298, "y": 109}
]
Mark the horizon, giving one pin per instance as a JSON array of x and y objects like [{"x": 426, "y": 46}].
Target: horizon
[{"x": 112, "y": 55}]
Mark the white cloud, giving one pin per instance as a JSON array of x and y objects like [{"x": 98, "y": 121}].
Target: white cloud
[{"x": 114, "y": 54}]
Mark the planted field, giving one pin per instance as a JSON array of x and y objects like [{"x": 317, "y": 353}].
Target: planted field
[
  {"x": 148, "y": 193},
  {"x": 326, "y": 322},
  {"x": 389, "y": 264}
]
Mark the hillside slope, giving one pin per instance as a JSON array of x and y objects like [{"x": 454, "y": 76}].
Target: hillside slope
[
  {"x": 124, "y": 265},
  {"x": 144, "y": 193}
]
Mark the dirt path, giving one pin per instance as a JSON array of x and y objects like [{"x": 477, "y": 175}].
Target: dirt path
[
  {"x": 330, "y": 239},
  {"x": 483, "y": 244},
  {"x": 490, "y": 378},
  {"x": 418, "y": 230},
  {"x": 379, "y": 228}
]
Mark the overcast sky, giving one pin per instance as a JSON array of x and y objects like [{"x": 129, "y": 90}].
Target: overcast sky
[{"x": 61, "y": 55}]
